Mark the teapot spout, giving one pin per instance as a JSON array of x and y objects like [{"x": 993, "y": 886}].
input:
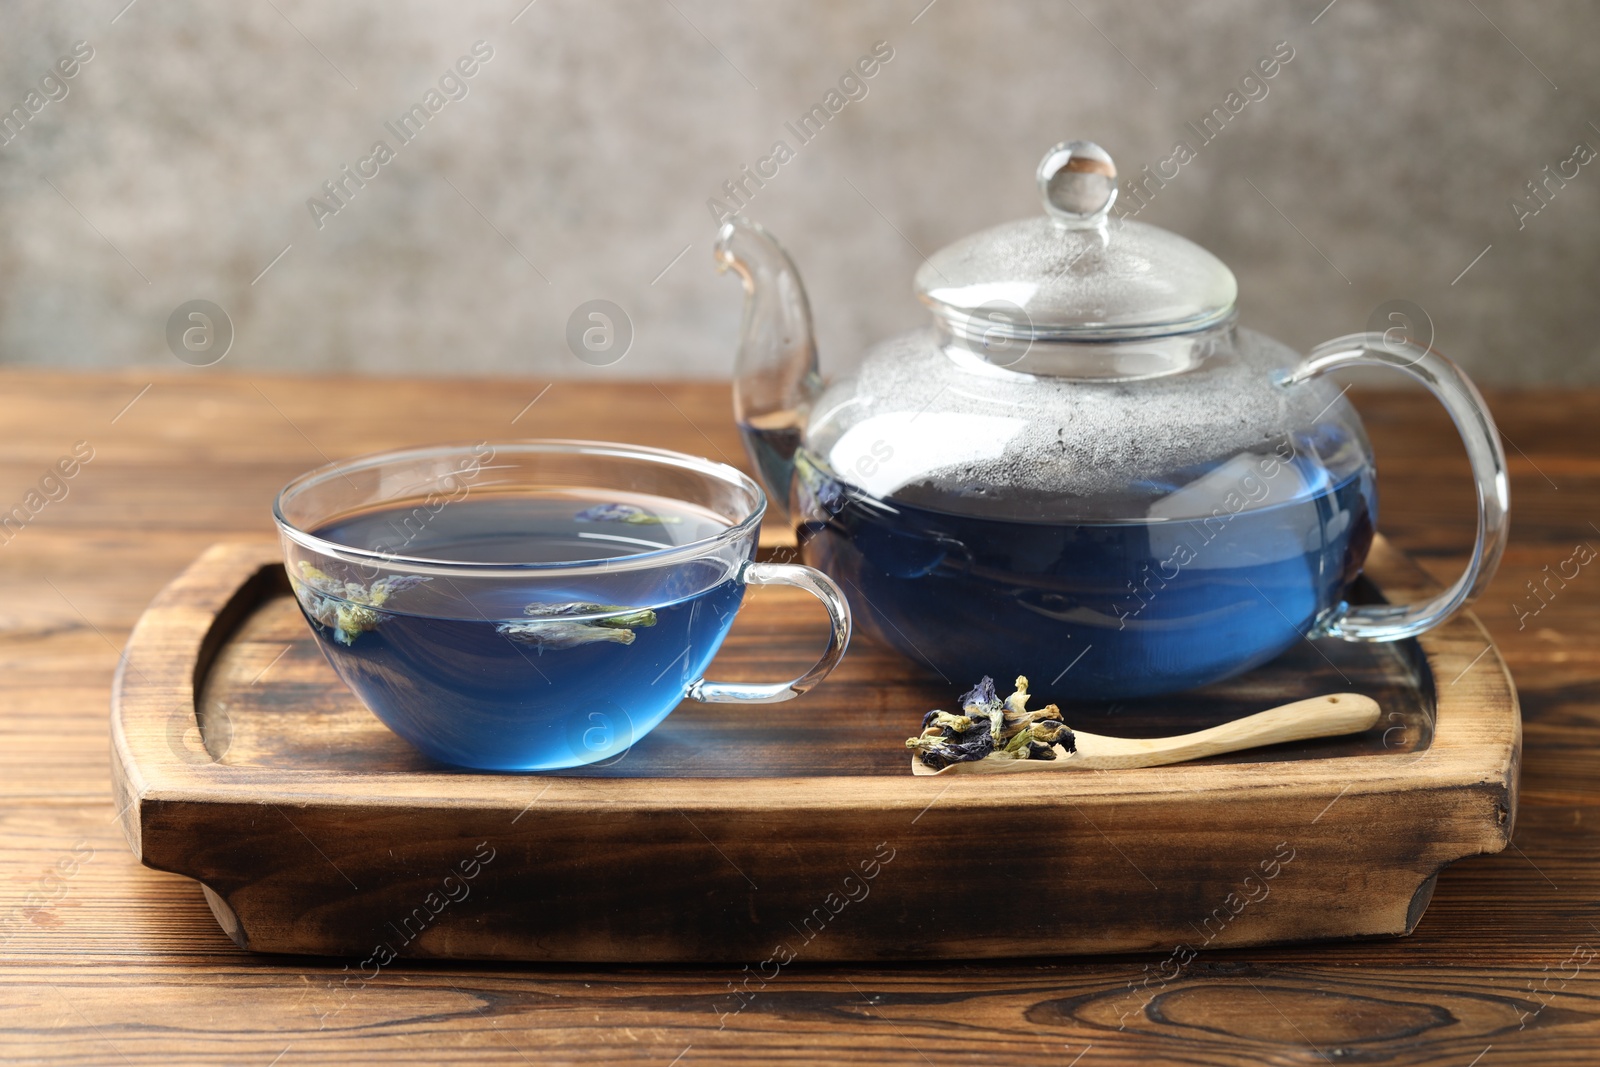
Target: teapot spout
[{"x": 775, "y": 378}]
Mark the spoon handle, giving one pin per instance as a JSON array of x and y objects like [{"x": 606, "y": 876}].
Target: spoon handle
[{"x": 1325, "y": 716}]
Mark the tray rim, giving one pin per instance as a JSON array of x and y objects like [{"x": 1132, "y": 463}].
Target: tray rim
[{"x": 1475, "y": 743}]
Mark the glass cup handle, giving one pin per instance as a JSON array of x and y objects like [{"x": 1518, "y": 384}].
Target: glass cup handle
[
  {"x": 1447, "y": 382},
  {"x": 818, "y": 585}
]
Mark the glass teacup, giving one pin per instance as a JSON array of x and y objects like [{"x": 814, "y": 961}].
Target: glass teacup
[{"x": 533, "y": 605}]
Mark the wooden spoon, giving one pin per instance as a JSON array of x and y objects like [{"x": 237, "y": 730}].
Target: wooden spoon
[{"x": 1326, "y": 716}]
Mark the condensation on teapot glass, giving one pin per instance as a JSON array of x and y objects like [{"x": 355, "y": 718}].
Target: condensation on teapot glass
[{"x": 1056, "y": 447}]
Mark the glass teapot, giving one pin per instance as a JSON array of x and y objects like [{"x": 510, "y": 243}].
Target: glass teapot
[{"x": 1083, "y": 470}]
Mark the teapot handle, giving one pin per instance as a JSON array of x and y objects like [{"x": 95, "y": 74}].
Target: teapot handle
[{"x": 1447, "y": 382}]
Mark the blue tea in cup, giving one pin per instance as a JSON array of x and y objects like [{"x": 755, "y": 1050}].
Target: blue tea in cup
[{"x": 536, "y": 605}]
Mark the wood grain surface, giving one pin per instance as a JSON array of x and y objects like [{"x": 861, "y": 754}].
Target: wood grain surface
[
  {"x": 104, "y": 961},
  {"x": 735, "y": 834}
]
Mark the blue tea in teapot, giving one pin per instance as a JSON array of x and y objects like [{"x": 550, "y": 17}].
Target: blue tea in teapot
[{"x": 1109, "y": 609}]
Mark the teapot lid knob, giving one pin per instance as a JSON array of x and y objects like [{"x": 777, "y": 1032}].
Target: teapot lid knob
[{"x": 1078, "y": 181}]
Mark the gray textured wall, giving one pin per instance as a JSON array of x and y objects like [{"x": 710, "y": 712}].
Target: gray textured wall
[{"x": 181, "y": 159}]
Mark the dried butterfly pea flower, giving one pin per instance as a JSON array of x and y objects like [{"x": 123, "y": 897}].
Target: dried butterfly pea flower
[
  {"x": 629, "y": 513},
  {"x": 619, "y": 616},
  {"x": 1043, "y": 736},
  {"x": 1015, "y": 715},
  {"x": 347, "y": 608},
  {"x": 942, "y": 750},
  {"x": 1016, "y": 746},
  {"x": 556, "y": 628},
  {"x": 981, "y": 699},
  {"x": 938, "y": 720},
  {"x": 1050, "y": 732},
  {"x": 991, "y": 729}
]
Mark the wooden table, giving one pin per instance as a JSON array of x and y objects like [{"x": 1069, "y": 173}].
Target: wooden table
[{"x": 104, "y": 961}]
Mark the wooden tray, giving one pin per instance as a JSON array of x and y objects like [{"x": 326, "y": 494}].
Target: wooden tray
[{"x": 764, "y": 835}]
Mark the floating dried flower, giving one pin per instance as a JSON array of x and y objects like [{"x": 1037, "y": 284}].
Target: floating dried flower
[
  {"x": 347, "y": 608},
  {"x": 629, "y": 513},
  {"x": 561, "y": 626}
]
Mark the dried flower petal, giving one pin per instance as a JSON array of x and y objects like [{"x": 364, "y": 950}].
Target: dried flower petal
[
  {"x": 1052, "y": 732},
  {"x": 981, "y": 699},
  {"x": 939, "y": 752},
  {"x": 1017, "y": 702},
  {"x": 942, "y": 719},
  {"x": 1016, "y": 746}
]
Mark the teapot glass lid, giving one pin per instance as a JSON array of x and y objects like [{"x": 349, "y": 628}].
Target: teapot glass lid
[{"x": 1076, "y": 273}]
